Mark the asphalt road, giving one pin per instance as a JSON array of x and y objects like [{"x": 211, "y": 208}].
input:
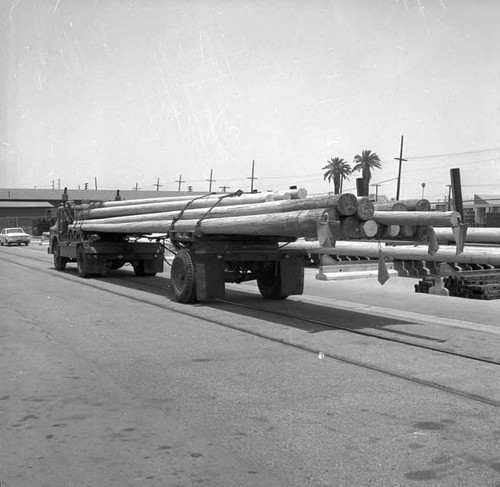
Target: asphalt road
[{"x": 109, "y": 382}]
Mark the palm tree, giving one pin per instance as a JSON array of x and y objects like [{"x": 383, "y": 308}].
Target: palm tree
[
  {"x": 336, "y": 171},
  {"x": 365, "y": 163}
]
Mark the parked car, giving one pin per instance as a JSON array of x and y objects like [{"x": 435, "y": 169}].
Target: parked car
[{"x": 14, "y": 236}]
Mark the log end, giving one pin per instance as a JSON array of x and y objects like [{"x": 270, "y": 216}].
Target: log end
[
  {"x": 365, "y": 208},
  {"x": 423, "y": 205},
  {"x": 347, "y": 204},
  {"x": 369, "y": 228}
]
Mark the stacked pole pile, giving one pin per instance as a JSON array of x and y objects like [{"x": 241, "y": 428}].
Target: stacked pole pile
[
  {"x": 404, "y": 230},
  {"x": 290, "y": 214},
  {"x": 280, "y": 214}
]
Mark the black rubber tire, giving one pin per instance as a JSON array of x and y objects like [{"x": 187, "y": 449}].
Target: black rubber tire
[
  {"x": 183, "y": 277},
  {"x": 116, "y": 264},
  {"x": 139, "y": 269},
  {"x": 81, "y": 265},
  {"x": 59, "y": 262},
  {"x": 269, "y": 282}
]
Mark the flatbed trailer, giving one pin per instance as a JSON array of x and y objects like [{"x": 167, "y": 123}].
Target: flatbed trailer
[
  {"x": 203, "y": 264},
  {"x": 97, "y": 252}
]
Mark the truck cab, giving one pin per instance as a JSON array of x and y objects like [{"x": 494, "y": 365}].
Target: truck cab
[{"x": 96, "y": 253}]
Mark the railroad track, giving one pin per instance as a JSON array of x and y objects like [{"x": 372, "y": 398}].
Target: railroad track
[
  {"x": 370, "y": 335},
  {"x": 148, "y": 285}
]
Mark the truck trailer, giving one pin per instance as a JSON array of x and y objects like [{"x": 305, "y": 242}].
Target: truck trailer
[{"x": 216, "y": 239}]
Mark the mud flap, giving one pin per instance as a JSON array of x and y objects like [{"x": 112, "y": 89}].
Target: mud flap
[
  {"x": 153, "y": 266},
  {"x": 210, "y": 279},
  {"x": 292, "y": 275}
]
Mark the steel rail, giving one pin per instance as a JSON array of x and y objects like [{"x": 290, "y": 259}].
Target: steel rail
[{"x": 366, "y": 334}]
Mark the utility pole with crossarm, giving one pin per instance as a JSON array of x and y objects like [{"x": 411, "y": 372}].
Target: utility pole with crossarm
[{"x": 400, "y": 159}]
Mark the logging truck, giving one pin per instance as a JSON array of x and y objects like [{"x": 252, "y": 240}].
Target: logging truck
[
  {"x": 97, "y": 252},
  {"x": 231, "y": 238},
  {"x": 216, "y": 239}
]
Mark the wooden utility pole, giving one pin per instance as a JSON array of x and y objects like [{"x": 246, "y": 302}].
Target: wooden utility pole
[
  {"x": 224, "y": 188},
  {"x": 180, "y": 181},
  {"x": 252, "y": 177},
  {"x": 158, "y": 184},
  {"x": 376, "y": 190},
  {"x": 400, "y": 159},
  {"x": 95, "y": 182},
  {"x": 136, "y": 187},
  {"x": 456, "y": 187},
  {"x": 211, "y": 180}
]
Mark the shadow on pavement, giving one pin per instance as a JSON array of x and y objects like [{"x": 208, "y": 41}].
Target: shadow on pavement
[{"x": 290, "y": 312}]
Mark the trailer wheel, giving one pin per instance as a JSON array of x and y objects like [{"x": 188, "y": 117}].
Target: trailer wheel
[
  {"x": 81, "y": 265},
  {"x": 183, "y": 277},
  {"x": 59, "y": 262},
  {"x": 138, "y": 266},
  {"x": 115, "y": 264},
  {"x": 269, "y": 282}
]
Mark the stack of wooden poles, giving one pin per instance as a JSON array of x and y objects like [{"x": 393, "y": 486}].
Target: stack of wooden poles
[
  {"x": 396, "y": 223},
  {"x": 277, "y": 214}
]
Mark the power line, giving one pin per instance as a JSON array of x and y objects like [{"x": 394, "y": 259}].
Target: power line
[
  {"x": 446, "y": 166},
  {"x": 450, "y": 154}
]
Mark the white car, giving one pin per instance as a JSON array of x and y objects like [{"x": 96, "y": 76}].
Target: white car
[{"x": 14, "y": 236}]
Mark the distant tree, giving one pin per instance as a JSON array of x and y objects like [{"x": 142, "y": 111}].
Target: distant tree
[
  {"x": 366, "y": 163},
  {"x": 336, "y": 171}
]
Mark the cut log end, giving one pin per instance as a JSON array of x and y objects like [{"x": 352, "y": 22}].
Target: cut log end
[
  {"x": 347, "y": 204},
  {"x": 365, "y": 209}
]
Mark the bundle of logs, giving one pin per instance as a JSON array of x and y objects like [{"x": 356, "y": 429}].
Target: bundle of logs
[{"x": 288, "y": 214}]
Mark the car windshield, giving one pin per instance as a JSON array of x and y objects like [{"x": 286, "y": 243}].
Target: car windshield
[{"x": 15, "y": 230}]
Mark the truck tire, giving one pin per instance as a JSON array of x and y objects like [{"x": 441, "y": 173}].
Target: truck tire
[
  {"x": 183, "y": 277},
  {"x": 81, "y": 264},
  {"x": 116, "y": 264},
  {"x": 139, "y": 269},
  {"x": 269, "y": 282},
  {"x": 59, "y": 262}
]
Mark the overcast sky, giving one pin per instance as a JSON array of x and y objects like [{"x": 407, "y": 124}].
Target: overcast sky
[{"x": 131, "y": 91}]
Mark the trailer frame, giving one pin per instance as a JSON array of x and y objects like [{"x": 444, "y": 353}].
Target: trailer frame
[{"x": 203, "y": 264}]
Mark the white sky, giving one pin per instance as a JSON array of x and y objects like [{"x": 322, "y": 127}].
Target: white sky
[{"x": 131, "y": 91}]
